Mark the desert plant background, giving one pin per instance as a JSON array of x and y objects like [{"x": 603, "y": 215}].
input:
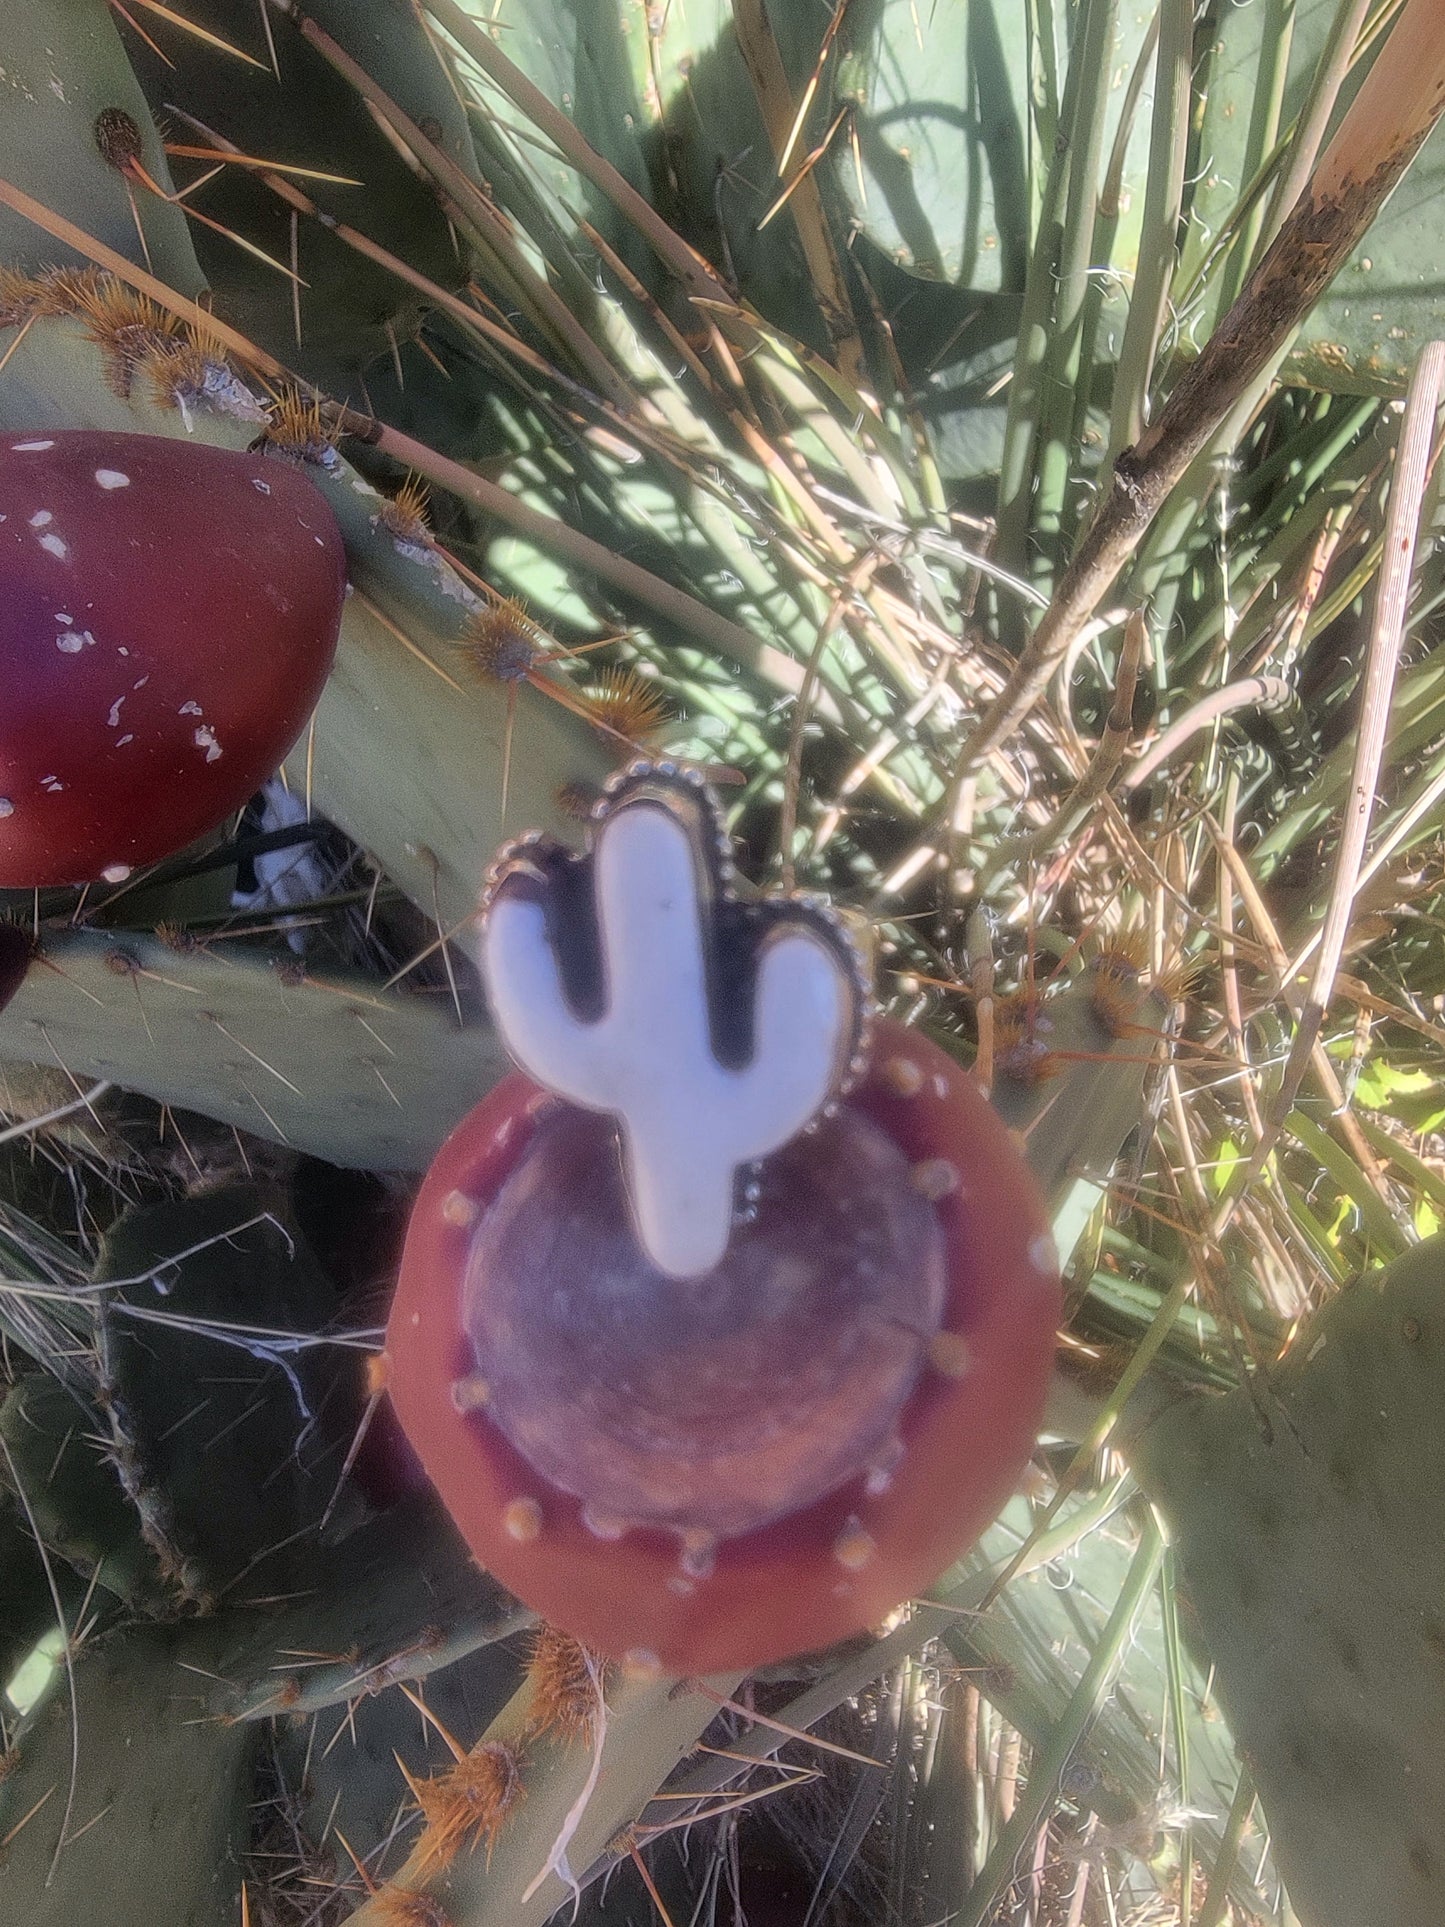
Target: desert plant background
[{"x": 998, "y": 438}]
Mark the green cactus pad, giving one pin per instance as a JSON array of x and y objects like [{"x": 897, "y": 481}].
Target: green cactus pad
[
  {"x": 336, "y": 1068},
  {"x": 217, "y": 1438},
  {"x": 161, "y": 1805},
  {"x": 400, "y": 1598},
  {"x": 26, "y": 1608},
  {"x": 1302, "y": 1512},
  {"x": 351, "y": 311},
  {"x": 65, "y": 65},
  {"x": 54, "y": 1450}
]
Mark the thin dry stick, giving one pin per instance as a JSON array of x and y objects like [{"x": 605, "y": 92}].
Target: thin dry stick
[
  {"x": 1334, "y": 69},
  {"x": 857, "y": 579},
  {"x": 1342, "y": 1118},
  {"x": 1423, "y": 804},
  {"x": 1412, "y": 469},
  {"x": 764, "y": 63},
  {"x": 32, "y": 1124},
  {"x": 1112, "y": 743},
  {"x": 1402, "y": 98},
  {"x": 1229, "y": 967},
  {"x": 1253, "y": 692}
]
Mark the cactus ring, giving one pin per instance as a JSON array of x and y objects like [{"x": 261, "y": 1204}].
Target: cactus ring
[{"x": 726, "y": 1324}]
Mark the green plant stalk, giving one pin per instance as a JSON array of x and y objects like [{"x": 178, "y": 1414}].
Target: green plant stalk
[
  {"x": 1053, "y": 1756},
  {"x": 1386, "y": 125},
  {"x": 1390, "y": 1237},
  {"x": 1054, "y": 456},
  {"x": 1216, "y": 1898},
  {"x": 1158, "y": 241},
  {"x": 1017, "y": 461},
  {"x": 1179, "y": 1713},
  {"x": 1264, "y": 154}
]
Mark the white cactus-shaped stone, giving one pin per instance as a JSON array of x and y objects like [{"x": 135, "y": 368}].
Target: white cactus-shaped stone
[{"x": 688, "y": 1121}]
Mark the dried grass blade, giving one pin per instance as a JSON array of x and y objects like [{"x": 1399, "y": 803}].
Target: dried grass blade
[{"x": 1407, "y": 493}]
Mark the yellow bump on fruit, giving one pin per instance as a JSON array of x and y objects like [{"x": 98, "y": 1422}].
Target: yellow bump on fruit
[
  {"x": 603, "y": 1525},
  {"x": 522, "y": 1520},
  {"x": 458, "y": 1208},
  {"x": 948, "y": 1353},
  {"x": 699, "y": 1552},
  {"x": 853, "y": 1547},
  {"x": 471, "y": 1393},
  {"x": 378, "y": 1374},
  {"x": 903, "y": 1077},
  {"x": 935, "y": 1179}
]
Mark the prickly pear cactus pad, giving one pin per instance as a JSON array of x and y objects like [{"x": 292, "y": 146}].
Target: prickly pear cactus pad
[
  {"x": 326, "y": 1064},
  {"x": 739, "y": 1336},
  {"x": 1305, "y": 1520}
]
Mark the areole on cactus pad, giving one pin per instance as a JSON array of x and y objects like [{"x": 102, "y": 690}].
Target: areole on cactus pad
[
  {"x": 168, "y": 616},
  {"x": 725, "y": 1325}
]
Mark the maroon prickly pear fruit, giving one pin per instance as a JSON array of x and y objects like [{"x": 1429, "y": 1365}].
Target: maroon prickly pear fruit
[{"x": 168, "y": 617}]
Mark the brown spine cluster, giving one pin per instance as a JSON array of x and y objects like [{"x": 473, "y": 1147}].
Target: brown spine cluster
[
  {"x": 566, "y": 1686},
  {"x": 467, "y": 1805}
]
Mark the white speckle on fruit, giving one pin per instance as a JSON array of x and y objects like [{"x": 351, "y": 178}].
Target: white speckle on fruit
[
  {"x": 190, "y": 709},
  {"x": 522, "y": 1520},
  {"x": 121, "y": 741},
  {"x": 882, "y": 1467},
  {"x": 903, "y": 1077},
  {"x": 940, "y": 1085},
  {"x": 458, "y": 1208},
  {"x": 144, "y": 679},
  {"x": 70, "y": 642},
  {"x": 7, "y": 808},
  {"x": 52, "y": 783},
  {"x": 29, "y": 448},
  {"x": 853, "y": 1547},
  {"x": 41, "y": 519},
  {"x": 53, "y": 545},
  {"x": 113, "y": 719},
  {"x": 261, "y": 488},
  {"x": 205, "y": 739},
  {"x": 935, "y": 1179},
  {"x": 948, "y": 1353},
  {"x": 60, "y": 616},
  {"x": 115, "y": 873},
  {"x": 112, "y": 478},
  {"x": 1044, "y": 1255},
  {"x": 471, "y": 1393}
]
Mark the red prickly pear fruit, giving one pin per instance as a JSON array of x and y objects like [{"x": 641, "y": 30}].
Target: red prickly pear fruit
[
  {"x": 168, "y": 616},
  {"x": 721, "y": 1470}
]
